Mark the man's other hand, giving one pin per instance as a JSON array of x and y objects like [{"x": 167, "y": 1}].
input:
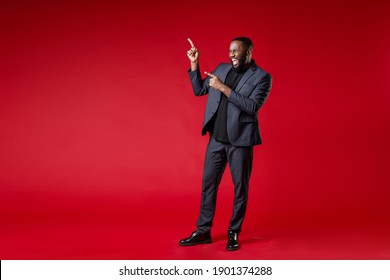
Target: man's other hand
[{"x": 217, "y": 84}]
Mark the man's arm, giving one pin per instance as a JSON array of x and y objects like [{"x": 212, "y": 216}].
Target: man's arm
[
  {"x": 199, "y": 85},
  {"x": 249, "y": 105},
  {"x": 253, "y": 103}
]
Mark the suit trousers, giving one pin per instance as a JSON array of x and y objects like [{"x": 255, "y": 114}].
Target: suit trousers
[{"x": 240, "y": 160}]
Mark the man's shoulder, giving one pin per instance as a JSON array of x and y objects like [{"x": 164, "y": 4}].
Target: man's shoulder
[
  {"x": 259, "y": 73},
  {"x": 224, "y": 65},
  {"x": 258, "y": 69}
]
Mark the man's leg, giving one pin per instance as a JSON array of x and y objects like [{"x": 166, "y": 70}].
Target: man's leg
[
  {"x": 214, "y": 166},
  {"x": 240, "y": 163}
]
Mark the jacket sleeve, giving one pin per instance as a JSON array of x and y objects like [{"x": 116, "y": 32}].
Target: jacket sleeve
[
  {"x": 199, "y": 86},
  {"x": 256, "y": 99}
]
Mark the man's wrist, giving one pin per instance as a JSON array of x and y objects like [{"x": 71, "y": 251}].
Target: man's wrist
[
  {"x": 194, "y": 65},
  {"x": 226, "y": 90}
]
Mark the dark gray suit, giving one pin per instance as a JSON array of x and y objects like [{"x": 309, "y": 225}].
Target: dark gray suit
[{"x": 243, "y": 133}]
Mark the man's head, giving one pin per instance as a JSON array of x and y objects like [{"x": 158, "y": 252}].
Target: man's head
[{"x": 240, "y": 53}]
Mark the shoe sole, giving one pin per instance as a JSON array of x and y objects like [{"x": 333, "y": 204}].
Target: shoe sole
[
  {"x": 196, "y": 243},
  {"x": 233, "y": 249}
]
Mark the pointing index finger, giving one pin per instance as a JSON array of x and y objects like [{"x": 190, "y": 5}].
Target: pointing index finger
[
  {"x": 209, "y": 74},
  {"x": 192, "y": 44}
]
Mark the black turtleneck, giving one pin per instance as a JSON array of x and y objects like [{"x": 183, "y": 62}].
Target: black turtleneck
[{"x": 220, "y": 124}]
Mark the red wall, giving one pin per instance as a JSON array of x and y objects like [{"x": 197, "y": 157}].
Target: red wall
[{"x": 98, "y": 120}]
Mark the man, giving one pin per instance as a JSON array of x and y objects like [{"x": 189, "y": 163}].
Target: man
[{"x": 236, "y": 91}]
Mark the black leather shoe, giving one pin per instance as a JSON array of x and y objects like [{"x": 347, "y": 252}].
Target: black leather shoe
[
  {"x": 232, "y": 243},
  {"x": 196, "y": 238}
]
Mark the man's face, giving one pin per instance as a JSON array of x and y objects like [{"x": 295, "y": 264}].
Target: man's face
[{"x": 239, "y": 55}]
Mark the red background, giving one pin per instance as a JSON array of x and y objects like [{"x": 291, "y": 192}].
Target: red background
[{"x": 100, "y": 146}]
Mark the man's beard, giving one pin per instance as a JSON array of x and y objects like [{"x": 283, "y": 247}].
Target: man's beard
[{"x": 240, "y": 65}]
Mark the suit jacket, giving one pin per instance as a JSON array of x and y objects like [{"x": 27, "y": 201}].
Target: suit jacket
[{"x": 243, "y": 104}]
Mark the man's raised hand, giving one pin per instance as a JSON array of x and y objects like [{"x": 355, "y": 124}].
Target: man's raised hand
[{"x": 193, "y": 53}]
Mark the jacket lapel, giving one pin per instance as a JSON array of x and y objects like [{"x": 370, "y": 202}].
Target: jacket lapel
[
  {"x": 224, "y": 73},
  {"x": 251, "y": 71}
]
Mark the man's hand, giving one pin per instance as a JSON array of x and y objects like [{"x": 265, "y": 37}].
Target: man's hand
[
  {"x": 217, "y": 84},
  {"x": 193, "y": 53}
]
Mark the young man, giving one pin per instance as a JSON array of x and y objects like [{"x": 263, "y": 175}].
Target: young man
[{"x": 236, "y": 91}]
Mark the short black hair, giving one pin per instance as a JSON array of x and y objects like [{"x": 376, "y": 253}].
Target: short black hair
[{"x": 246, "y": 41}]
